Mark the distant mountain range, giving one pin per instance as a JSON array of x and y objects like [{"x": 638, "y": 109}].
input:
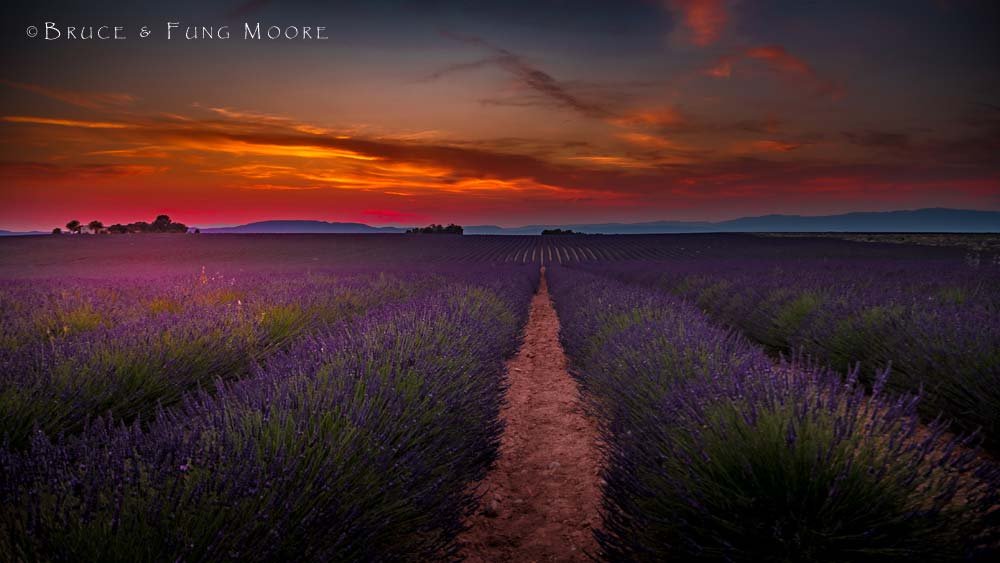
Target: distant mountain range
[
  {"x": 270, "y": 227},
  {"x": 921, "y": 220},
  {"x": 935, "y": 220},
  {"x": 17, "y": 234}
]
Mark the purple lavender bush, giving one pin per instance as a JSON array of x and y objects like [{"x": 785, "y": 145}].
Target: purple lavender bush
[
  {"x": 148, "y": 343},
  {"x": 936, "y": 323},
  {"x": 357, "y": 442},
  {"x": 713, "y": 452}
]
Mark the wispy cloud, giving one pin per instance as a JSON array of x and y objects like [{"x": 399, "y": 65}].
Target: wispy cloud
[
  {"x": 236, "y": 114},
  {"x": 778, "y": 60},
  {"x": 528, "y": 75},
  {"x": 768, "y": 146},
  {"x": 65, "y": 122},
  {"x": 662, "y": 117},
  {"x": 88, "y": 100},
  {"x": 278, "y": 188}
]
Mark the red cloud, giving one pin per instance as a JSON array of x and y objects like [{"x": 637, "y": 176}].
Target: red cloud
[
  {"x": 704, "y": 19},
  {"x": 778, "y": 60}
]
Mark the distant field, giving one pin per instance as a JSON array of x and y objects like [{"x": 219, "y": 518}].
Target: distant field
[
  {"x": 988, "y": 243},
  {"x": 338, "y": 397},
  {"x": 156, "y": 255}
]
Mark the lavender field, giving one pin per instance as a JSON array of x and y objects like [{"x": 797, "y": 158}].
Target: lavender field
[{"x": 338, "y": 397}]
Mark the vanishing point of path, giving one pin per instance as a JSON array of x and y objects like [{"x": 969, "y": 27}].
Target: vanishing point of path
[{"x": 542, "y": 500}]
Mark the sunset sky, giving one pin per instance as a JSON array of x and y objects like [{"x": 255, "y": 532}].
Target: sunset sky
[{"x": 504, "y": 113}]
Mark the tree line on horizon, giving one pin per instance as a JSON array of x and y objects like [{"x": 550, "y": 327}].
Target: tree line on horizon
[
  {"x": 436, "y": 229},
  {"x": 162, "y": 224}
]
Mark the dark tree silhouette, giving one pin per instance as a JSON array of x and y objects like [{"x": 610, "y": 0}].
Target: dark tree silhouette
[
  {"x": 162, "y": 224},
  {"x": 560, "y": 232},
  {"x": 436, "y": 229},
  {"x": 57, "y": 231}
]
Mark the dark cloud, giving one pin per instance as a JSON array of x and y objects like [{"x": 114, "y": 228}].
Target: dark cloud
[
  {"x": 528, "y": 75},
  {"x": 88, "y": 100}
]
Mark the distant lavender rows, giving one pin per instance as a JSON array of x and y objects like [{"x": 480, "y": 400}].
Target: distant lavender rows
[
  {"x": 346, "y": 437},
  {"x": 936, "y": 322},
  {"x": 153, "y": 256},
  {"x": 716, "y": 453}
]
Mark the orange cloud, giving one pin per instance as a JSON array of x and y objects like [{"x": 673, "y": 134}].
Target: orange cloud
[
  {"x": 65, "y": 122},
  {"x": 279, "y": 187},
  {"x": 258, "y": 117},
  {"x": 644, "y": 140},
  {"x": 257, "y": 171},
  {"x": 613, "y": 161},
  {"x": 408, "y": 168},
  {"x": 656, "y": 117},
  {"x": 704, "y": 19},
  {"x": 135, "y": 152},
  {"x": 252, "y": 146}
]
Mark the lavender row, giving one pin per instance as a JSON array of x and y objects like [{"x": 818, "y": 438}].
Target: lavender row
[
  {"x": 352, "y": 444},
  {"x": 166, "y": 341},
  {"x": 937, "y": 323},
  {"x": 715, "y": 452},
  {"x": 56, "y": 309}
]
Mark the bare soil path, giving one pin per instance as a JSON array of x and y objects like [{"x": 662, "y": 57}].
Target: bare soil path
[{"x": 542, "y": 500}]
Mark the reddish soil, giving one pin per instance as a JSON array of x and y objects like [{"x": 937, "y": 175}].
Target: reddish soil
[{"x": 542, "y": 500}]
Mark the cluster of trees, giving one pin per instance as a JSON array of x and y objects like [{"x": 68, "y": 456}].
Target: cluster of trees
[
  {"x": 560, "y": 232},
  {"x": 162, "y": 224},
  {"x": 451, "y": 229}
]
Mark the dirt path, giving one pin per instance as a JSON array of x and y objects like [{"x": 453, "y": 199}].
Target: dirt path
[{"x": 541, "y": 501}]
